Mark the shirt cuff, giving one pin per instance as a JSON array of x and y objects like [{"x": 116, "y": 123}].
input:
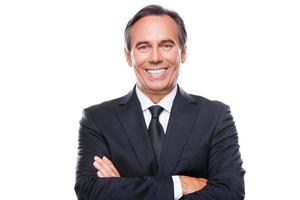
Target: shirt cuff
[{"x": 177, "y": 187}]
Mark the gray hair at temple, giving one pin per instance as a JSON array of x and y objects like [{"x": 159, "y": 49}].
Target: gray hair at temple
[{"x": 159, "y": 11}]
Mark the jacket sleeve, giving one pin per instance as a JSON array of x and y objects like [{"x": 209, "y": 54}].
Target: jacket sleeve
[
  {"x": 225, "y": 172},
  {"x": 89, "y": 186}
]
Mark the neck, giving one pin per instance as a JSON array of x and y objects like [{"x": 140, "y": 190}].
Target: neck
[{"x": 155, "y": 98}]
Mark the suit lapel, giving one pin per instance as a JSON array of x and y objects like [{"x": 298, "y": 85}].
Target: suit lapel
[
  {"x": 132, "y": 119},
  {"x": 181, "y": 122}
]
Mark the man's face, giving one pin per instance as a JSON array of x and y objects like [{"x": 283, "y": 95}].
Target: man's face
[{"x": 155, "y": 54}]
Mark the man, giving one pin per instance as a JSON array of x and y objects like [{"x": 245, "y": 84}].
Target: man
[{"x": 158, "y": 142}]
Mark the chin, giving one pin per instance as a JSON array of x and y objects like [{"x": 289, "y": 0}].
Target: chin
[{"x": 158, "y": 87}]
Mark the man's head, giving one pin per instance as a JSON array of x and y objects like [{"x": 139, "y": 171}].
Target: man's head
[
  {"x": 156, "y": 10},
  {"x": 155, "y": 47}
]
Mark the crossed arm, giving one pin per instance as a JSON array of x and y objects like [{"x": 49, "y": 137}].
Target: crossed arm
[
  {"x": 225, "y": 173},
  {"x": 106, "y": 169}
]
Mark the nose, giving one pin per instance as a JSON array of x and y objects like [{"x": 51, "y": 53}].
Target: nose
[{"x": 155, "y": 56}]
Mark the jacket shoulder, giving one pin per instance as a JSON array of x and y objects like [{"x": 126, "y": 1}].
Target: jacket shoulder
[
  {"x": 208, "y": 104},
  {"x": 103, "y": 105},
  {"x": 103, "y": 109}
]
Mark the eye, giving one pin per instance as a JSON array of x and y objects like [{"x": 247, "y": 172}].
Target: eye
[
  {"x": 143, "y": 47},
  {"x": 167, "y": 46}
]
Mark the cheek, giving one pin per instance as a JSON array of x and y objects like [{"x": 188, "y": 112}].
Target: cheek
[
  {"x": 173, "y": 57},
  {"x": 139, "y": 59}
]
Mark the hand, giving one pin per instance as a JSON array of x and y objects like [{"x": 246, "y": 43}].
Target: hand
[
  {"x": 191, "y": 184},
  {"x": 105, "y": 167}
]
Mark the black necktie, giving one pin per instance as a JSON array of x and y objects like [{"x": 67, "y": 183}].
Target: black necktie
[{"x": 156, "y": 131}]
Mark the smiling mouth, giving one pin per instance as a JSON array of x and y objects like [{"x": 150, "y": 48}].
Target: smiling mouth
[{"x": 156, "y": 72}]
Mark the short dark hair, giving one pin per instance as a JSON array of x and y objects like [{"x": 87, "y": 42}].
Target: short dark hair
[{"x": 160, "y": 11}]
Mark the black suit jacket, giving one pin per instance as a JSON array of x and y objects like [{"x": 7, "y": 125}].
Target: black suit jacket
[{"x": 201, "y": 141}]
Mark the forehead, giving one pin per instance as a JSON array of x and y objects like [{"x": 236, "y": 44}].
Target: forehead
[{"x": 154, "y": 29}]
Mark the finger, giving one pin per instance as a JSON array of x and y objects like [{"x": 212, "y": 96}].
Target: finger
[
  {"x": 99, "y": 174},
  {"x": 203, "y": 183},
  {"x": 107, "y": 160},
  {"x": 106, "y": 169},
  {"x": 98, "y": 159},
  {"x": 103, "y": 167},
  {"x": 97, "y": 165},
  {"x": 111, "y": 165},
  {"x": 104, "y": 172},
  {"x": 203, "y": 180}
]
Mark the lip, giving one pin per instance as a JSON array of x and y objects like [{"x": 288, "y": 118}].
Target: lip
[
  {"x": 156, "y": 77},
  {"x": 156, "y": 68},
  {"x": 161, "y": 68}
]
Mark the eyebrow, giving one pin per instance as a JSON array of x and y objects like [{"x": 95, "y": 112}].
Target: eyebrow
[
  {"x": 146, "y": 42},
  {"x": 141, "y": 42},
  {"x": 168, "y": 41}
]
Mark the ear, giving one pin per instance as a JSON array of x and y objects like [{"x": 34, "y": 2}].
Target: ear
[
  {"x": 183, "y": 54},
  {"x": 128, "y": 57}
]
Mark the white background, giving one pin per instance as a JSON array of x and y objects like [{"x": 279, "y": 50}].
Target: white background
[{"x": 58, "y": 57}]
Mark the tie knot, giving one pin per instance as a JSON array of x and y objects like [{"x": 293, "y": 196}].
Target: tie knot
[{"x": 155, "y": 111}]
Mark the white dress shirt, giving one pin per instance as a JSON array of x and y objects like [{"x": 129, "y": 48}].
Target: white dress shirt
[{"x": 166, "y": 103}]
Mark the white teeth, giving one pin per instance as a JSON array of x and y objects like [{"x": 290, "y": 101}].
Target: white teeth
[{"x": 156, "y": 71}]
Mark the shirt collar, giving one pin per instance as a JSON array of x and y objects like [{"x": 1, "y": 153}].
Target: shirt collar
[{"x": 166, "y": 102}]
